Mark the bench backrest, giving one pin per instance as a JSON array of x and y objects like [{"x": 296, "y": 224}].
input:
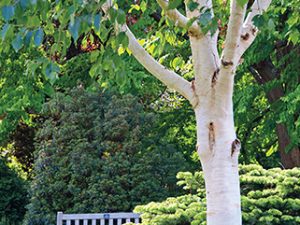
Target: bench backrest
[{"x": 97, "y": 218}]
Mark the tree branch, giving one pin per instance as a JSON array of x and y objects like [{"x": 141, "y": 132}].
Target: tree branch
[
  {"x": 249, "y": 31},
  {"x": 179, "y": 19},
  {"x": 168, "y": 77},
  {"x": 232, "y": 40}
]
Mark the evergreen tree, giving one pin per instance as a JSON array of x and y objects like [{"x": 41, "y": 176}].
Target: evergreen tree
[
  {"x": 13, "y": 196},
  {"x": 93, "y": 154}
]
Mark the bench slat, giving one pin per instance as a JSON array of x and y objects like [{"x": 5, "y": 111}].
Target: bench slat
[
  {"x": 94, "y": 217},
  {"x": 99, "y": 216},
  {"x": 119, "y": 221}
]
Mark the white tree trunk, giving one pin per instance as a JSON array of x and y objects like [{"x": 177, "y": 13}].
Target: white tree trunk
[
  {"x": 210, "y": 94},
  {"x": 218, "y": 150}
]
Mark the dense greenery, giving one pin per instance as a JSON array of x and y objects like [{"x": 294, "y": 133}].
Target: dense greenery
[
  {"x": 95, "y": 153},
  {"x": 268, "y": 197},
  {"x": 79, "y": 41},
  {"x": 41, "y": 59},
  {"x": 13, "y": 196}
]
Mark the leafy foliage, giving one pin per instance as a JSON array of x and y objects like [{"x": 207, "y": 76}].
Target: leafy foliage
[
  {"x": 13, "y": 196},
  {"x": 96, "y": 153},
  {"x": 254, "y": 108},
  {"x": 268, "y": 197}
]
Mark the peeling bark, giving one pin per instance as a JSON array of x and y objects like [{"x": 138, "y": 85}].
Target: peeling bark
[
  {"x": 235, "y": 147},
  {"x": 210, "y": 94}
]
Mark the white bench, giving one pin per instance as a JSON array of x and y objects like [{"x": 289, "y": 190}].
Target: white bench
[{"x": 97, "y": 218}]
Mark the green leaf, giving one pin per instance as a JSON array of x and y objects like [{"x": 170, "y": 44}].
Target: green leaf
[
  {"x": 173, "y": 4},
  {"x": 24, "y": 3},
  {"x": 294, "y": 37},
  {"x": 271, "y": 150},
  {"x": 122, "y": 39},
  {"x": 74, "y": 28},
  {"x": 205, "y": 18},
  {"x": 192, "y": 5},
  {"x": 121, "y": 17},
  {"x": 94, "y": 71},
  {"x": 8, "y": 12},
  {"x": 38, "y": 37},
  {"x": 51, "y": 72},
  {"x": 177, "y": 63},
  {"x": 242, "y": 2},
  {"x": 97, "y": 20},
  {"x": 28, "y": 38},
  {"x": 94, "y": 55},
  {"x": 33, "y": 21},
  {"x": 259, "y": 21},
  {"x": 4, "y": 30},
  {"x": 143, "y": 6},
  {"x": 17, "y": 43}
]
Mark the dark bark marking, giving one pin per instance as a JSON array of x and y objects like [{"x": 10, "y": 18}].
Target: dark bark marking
[
  {"x": 194, "y": 34},
  {"x": 193, "y": 86},
  {"x": 253, "y": 30},
  {"x": 235, "y": 146},
  {"x": 226, "y": 63},
  {"x": 215, "y": 77},
  {"x": 245, "y": 37},
  {"x": 211, "y": 136}
]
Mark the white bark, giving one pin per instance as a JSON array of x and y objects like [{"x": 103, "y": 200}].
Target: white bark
[
  {"x": 179, "y": 19},
  {"x": 169, "y": 78},
  {"x": 211, "y": 97},
  {"x": 249, "y": 31},
  {"x": 232, "y": 40}
]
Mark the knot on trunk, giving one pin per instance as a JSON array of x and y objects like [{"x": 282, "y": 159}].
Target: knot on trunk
[
  {"x": 214, "y": 78},
  {"x": 235, "y": 147},
  {"x": 226, "y": 63}
]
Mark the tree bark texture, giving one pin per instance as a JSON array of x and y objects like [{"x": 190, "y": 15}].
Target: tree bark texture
[{"x": 210, "y": 95}]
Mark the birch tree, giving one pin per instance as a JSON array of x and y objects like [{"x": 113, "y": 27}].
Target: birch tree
[{"x": 210, "y": 93}]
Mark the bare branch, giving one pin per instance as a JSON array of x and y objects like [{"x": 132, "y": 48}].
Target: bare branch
[
  {"x": 179, "y": 19},
  {"x": 168, "y": 77},
  {"x": 232, "y": 40},
  {"x": 249, "y": 31}
]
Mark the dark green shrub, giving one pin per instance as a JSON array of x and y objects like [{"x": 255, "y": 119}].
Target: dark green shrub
[
  {"x": 269, "y": 197},
  {"x": 95, "y": 153},
  {"x": 13, "y": 196}
]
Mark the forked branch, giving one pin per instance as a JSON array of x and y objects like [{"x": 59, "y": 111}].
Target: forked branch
[
  {"x": 168, "y": 77},
  {"x": 179, "y": 19},
  {"x": 232, "y": 40},
  {"x": 249, "y": 31}
]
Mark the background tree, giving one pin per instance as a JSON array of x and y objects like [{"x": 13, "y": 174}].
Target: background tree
[
  {"x": 96, "y": 153},
  {"x": 13, "y": 196},
  {"x": 268, "y": 197},
  {"x": 277, "y": 76}
]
